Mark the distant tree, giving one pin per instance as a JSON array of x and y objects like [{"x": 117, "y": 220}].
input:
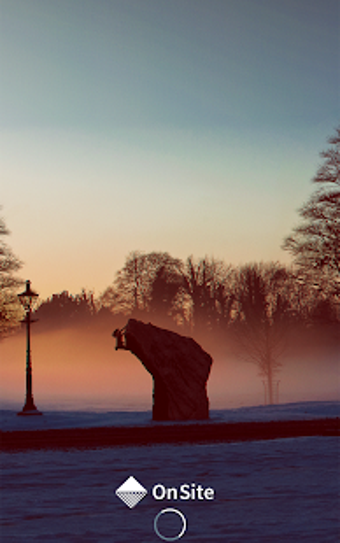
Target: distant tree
[
  {"x": 323, "y": 313},
  {"x": 9, "y": 283},
  {"x": 205, "y": 282},
  {"x": 261, "y": 317},
  {"x": 64, "y": 310},
  {"x": 315, "y": 243},
  {"x": 134, "y": 291},
  {"x": 165, "y": 293}
]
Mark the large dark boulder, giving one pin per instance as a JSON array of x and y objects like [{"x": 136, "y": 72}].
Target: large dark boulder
[{"x": 179, "y": 366}]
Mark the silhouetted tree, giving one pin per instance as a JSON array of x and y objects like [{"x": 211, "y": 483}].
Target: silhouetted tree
[
  {"x": 9, "y": 283},
  {"x": 323, "y": 313},
  {"x": 164, "y": 294},
  {"x": 205, "y": 282},
  {"x": 64, "y": 309},
  {"x": 315, "y": 243},
  {"x": 132, "y": 292},
  {"x": 261, "y": 317}
]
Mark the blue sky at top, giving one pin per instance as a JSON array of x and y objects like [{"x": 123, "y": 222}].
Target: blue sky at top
[{"x": 189, "y": 126}]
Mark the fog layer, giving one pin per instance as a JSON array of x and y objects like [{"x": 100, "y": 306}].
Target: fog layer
[{"x": 79, "y": 368}]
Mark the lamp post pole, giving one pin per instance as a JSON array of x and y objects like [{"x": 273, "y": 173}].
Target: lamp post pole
[{"x": 26, "y": 298}]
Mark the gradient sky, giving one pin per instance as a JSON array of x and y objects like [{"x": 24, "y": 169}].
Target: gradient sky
[{"x": 187, "y": 126}]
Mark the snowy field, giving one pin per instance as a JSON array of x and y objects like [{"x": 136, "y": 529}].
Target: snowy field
[
  {"x": 265, "y": 491},
  {"x": 86, "y": 419}
]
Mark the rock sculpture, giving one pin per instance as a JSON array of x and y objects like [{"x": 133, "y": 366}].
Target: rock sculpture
[{"x": 179, "y": 366}]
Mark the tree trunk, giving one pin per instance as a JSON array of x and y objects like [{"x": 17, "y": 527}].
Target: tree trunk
[{"x": 270, "y": 382}]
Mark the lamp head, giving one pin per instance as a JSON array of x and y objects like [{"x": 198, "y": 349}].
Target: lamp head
[{"x": 28, "y": 297}]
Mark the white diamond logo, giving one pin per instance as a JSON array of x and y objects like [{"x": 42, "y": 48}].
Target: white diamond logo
[{"x": 131, "y": 492}]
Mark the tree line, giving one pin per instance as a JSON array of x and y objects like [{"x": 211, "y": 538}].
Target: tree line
[{"x": 254, "y": 306}]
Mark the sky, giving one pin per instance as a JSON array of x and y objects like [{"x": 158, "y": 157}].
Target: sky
[{"x": 187, "y": 126}]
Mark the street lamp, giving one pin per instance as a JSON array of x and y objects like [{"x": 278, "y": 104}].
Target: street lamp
[{"x": 27, "y": 299}]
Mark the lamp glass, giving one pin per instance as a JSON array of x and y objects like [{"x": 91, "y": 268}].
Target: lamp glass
[{"x": 27, "y": 297}]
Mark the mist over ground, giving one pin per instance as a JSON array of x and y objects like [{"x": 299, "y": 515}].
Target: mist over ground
[{"x": 79, "y": 368}]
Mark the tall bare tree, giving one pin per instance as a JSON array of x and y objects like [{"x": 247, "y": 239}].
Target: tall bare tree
[
  {"x": 9, "y": 283},
  {"x": 261, "y": 316},
  {"x": 315, "y": 243}
]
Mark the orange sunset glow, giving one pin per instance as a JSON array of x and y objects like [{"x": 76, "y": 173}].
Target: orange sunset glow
[
  {"x": 76, "y": 369},
  {"x": 186, "y": 134}
]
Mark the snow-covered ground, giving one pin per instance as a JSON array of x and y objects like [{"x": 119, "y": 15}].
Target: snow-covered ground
[
  {"x": 78, "y": 419},
  {"x": 285, "y": 490}
]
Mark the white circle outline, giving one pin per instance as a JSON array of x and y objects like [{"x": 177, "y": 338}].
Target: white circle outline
[{"x": 170, "y": 510}]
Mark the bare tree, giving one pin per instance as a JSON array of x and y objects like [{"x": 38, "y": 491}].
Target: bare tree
[
  {"x": 205, "y": 282},
  {"x": 133, "y": 290},
  {"x": 261, "y": 315},
  {"x": 315, "y": 243},
  {"x": 9, "y": 283},
  {"x": 166, "y": 292}
]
